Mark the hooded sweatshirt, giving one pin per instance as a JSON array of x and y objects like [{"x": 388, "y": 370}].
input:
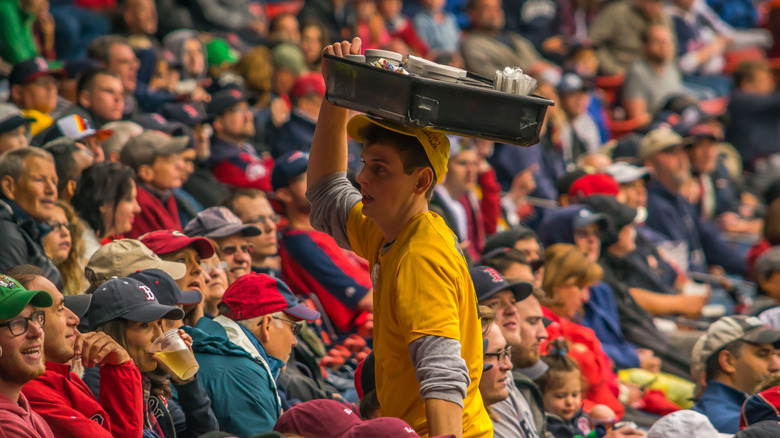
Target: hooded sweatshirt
[
  {"x": 174, "y": 43},
  {"x": 19, "y": 420}
]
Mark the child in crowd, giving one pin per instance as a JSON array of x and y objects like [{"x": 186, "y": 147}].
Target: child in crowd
[
  {"x": 561, "y": 387},
  {"x": 14, "y": 128}
]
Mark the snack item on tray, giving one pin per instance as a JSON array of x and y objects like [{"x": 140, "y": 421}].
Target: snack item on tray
[{"x": 513, "y": 80}]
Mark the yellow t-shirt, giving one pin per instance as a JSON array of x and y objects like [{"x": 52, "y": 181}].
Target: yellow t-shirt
[{"x": 421, "y": 287}]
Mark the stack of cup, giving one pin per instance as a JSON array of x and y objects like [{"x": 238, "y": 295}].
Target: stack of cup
[{"x": 514, "y": 81}]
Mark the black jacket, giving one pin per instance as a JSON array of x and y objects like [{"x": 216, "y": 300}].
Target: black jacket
[{"x": 21, "y": 241}]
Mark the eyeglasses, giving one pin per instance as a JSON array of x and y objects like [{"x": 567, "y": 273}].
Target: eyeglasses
[
  {"x": 209, "y": 268},
  {"x": 59, "y": 226},
  {"x": 18, "y": 326},
  {"x": 230, "y": 250},
  {"x": 295, "y": 326},
  {"x": 274, "y": 219},
  {"x": 501, "y": 355}
]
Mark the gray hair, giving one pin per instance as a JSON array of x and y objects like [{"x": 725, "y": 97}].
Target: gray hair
[
  {"x": 12, "y": 163},
  {"x": 252, "y": 322},
  {"x": 123, "y": 131}
]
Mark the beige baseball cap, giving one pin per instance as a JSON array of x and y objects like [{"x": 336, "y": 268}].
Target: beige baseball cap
[
  {"x": 658, "y": 140},
  {"x": 725, "y": 331},
  {"x": 123, "y": 257}
]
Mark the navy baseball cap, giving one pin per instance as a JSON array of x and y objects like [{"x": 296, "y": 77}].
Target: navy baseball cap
[
  {"x": 488, "y": 282},
  {"x": 128, "y": 299},
  {"x": 11, "y": 117},
  {"x": 30, "y": 70},
  {"x": 288, "y": 167},
  {"x": 156, "y": 122},
  {"x": 572, "y": 82},
  {"x": 165, "y": 288},
  {"x": 188, "y": 114},
  {"x": 586, "y": 217},
  {"x": 224, "y": 99},
  {"x": 216, "y": 222}
]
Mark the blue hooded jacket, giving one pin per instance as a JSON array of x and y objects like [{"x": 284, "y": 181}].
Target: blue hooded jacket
[
  {"x": 242, "y": 389},
  {"x": 601, "y": 312}
]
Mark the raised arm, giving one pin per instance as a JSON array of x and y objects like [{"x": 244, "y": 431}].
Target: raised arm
[{"x": 329, "y": 147}]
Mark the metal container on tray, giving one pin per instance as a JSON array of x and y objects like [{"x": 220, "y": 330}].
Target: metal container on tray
[{"x": 469, "y": 107}]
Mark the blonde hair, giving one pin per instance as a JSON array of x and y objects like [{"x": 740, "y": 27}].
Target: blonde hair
[
  {"x": 487, "y": 317},
  {"x": 72, "y": 268},
  {"x": 564, "y": 263}
]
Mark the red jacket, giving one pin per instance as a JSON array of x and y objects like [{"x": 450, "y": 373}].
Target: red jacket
[
  {"x": 596, "y": 368},
  {"x": 71, "y": 410},
  {"x": 154, "y": 214}
]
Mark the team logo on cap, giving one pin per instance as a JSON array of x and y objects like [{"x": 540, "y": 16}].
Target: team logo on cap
[
  {"x": 495, "y": 277},
  {"x": 296, "y": 155},
  {"x": 41, "y": 64},
  {"x": 348, "y": 411},
  {"x": 160, "y": 119},
  {"x": 190, "y": 110},
  {"x": 235, "y": 93},
  {"x": 149, "y": 294},
  {"x": 408, "y": 429},
  {"x": 7, "y": 282}
]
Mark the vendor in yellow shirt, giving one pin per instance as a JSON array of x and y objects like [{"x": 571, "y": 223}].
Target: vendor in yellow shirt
[{"x": 427, "y": 334}]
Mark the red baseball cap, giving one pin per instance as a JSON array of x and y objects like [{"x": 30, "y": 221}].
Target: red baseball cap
[
  {"x": 165, "y": 241},
  {"x": 308, "y": 83},
  {"x": 255, "y": 295},
  {"x": 594, "y": 184},
  {"x": 321, "y": 418}
]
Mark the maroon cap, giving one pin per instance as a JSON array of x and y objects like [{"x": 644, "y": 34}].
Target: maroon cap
[
  {"x": 255, "y": 295},
  {"x": 320, "y": 418},
  {"x": 594, "y": 184},
  {"x": 308, "y": 83},
  {"x": 165, "y": 241},
  {"x": 383, "y": 427}
]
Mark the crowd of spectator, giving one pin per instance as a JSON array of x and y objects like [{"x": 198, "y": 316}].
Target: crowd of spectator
[{"x": 155, "y": 180}]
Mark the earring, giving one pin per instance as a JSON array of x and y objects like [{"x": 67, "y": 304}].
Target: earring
[{"x": 1, "y": 351}]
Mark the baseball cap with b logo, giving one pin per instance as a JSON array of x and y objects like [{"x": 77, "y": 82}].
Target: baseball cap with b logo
[
  {"x": 488, "y": 282},
  {"x": 128, "y": 299}
]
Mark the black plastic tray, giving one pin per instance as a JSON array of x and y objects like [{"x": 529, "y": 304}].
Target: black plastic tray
[{"x": 469, "y": 107}]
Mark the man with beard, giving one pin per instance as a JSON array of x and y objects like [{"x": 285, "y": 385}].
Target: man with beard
[
  {"x": 652, "y": 79},
  {"x": 312, "y": 262},
  {"x": 668, "y": 212},
  {"x": 21, "y": 341},
  {"x": 59, "y": 396},
  {"x": 233, "y": 160}
]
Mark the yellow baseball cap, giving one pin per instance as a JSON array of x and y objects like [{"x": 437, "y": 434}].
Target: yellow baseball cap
[{"x": 435, "y": 143}]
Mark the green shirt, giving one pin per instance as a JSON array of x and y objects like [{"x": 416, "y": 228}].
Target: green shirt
[{"x": 17, "y": 42}]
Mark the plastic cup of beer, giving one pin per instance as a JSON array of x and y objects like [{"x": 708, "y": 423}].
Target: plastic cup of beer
[{"x": 174, "y": 353}]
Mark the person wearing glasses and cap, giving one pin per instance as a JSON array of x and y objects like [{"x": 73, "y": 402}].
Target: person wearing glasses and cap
[
  {"x": 21, "y": 356},
  {"x": 242, "y": 351},
  {"x": 500, "y": 318}
]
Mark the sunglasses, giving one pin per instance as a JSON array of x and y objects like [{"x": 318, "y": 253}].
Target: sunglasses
[{"x": 230, "y": 250}]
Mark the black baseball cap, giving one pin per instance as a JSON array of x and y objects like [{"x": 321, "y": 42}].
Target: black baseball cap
[
  {"x": 506, "y": 239},
  {"x": 188, "y": 114},
  {"x": 488, "y": 282},
  {"x": 288, "y": 167},
  {"x": 128, "y": 299},
  {"x": 165, "y": 288},
  {"x": 78, "y": 304},
  {"x": 30, "y": 70},
  {"x": 563, "y": 183},
  {"x": 618, "y": 214},
  {"x": 224, "y": 99}
]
